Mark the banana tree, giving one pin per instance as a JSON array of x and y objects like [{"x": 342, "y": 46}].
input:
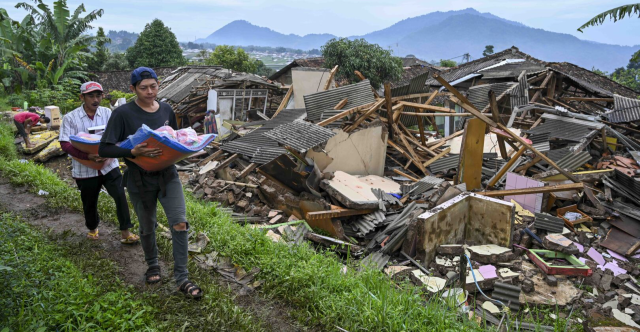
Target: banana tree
[{"x": 615, "y": 14}]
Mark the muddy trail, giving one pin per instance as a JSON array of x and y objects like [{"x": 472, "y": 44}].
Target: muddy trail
[{"x": 67, "y": 228}]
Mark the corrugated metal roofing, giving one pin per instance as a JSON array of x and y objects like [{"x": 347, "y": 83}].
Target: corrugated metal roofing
[
  {"x": 357, "y": 95},
  {"x": 624, "y": 110},
  {"x": 549, "y": 223},
  {"x": 180, "y": 88},
  {"x": 569, "y": 129},
  {"x": 414, "y": 86},
  {"x": 330, "y": 113},
  {"x": 573, "y": 161},
  {"x": 520, "y": 93},
  {"x": 472, "y": 67},
  {"x": 421, "y": 186},
  {"x": 300, "y": 135},
  {"x": 260, "y": 148},
  {"x": 367, "y": 223},
  {"x": 541, "y": 142},
  {"x": 509, "y": 170},
  {"x": 445, "y": 163},
  {"x": 479, "y": 95},
  {"x": 624, "y": 140},
  {"x": 507, "y": 293}
]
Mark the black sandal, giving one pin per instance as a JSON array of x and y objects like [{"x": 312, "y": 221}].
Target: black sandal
[
  {"x": 152, "y": 271},
  {"x": 187, "y": 287}
]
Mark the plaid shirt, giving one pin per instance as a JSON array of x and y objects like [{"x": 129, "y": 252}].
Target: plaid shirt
[{"x": 78, "y": 121}]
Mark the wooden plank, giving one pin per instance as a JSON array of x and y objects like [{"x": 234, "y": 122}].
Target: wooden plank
[
  {"x": 537, "y": 190},
  {"x": 493, "y": 104},
  {"x": 428, "y": 107},
  {"x": 422, "y": 115},
  {"x": 387, "y": 98},
  {"x": 551, "y": 88},
  {"x": 528, "y": 165},
  {"x": 343, "y": 114},
  {"x": 284, "y": 102},
  {"x": 227, "y": 161},
  {"x": 431, "y": 98},
  {"x": 212, "y": 157},
  {"x": 454, "y": 135},
  {"x": 366, "y": 114},
  {"x": 505, "y": 168},
  {"x": 465, "y": 102},
  {"x": 438, "y": 156},
  {"x": 470, "y": 167},
  {"x": 608, "y": 100},
  {"x": 359, "y": 74},
  {"x": 405, "y": 175},
  {"x": 341, "y": 104},
  {"x": 337, "y": 213},
  {"x": 396, "y": 111},
  {"x": 331, "y": 75},
  {"x": 605, "y": 147},
  {"x": 414, "y": 156},
  {"x": 412, "y": 96},
  {"x": 247, "y": 170},
  {"x": 415, "y": 141}
]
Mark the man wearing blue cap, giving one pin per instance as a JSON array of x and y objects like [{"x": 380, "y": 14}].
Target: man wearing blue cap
[{"x": 147, "y": 188}]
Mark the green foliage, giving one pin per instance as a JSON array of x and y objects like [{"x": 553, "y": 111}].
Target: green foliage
[
  {"x": 231, "y": 58},
  {"x": 63, "y": 95},
  {"x": 116, "y": 94},
  {"x": 262, "y": 69},
  {"x": 374, "y": 62},
  {"x": 447, "y": 63},
  {"x": 599, "y": 72},
  {"x": 614, "y": 14},
  {"x": 157, "y": 46},
  {"x": 101, "y": 53},
  {"x": 43, "y": 291},
  {"x": 7, "y": 147},
  {"x": 116, "y": 61},
  {"x": 488, "y": 50},
  {"x": 627, "y": 77}
]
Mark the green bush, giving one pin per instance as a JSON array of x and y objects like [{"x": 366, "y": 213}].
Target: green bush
[
  {"x": 7, "y": 148},
  {"x": 114, "y": 95}
]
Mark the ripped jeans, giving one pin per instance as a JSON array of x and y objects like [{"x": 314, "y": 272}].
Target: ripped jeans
[{"x": 174, "y": 207}]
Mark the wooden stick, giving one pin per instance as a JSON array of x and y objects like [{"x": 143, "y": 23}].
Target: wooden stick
[
  {"x": 226, "y": 162},
  {"x": 343, "y": 114},
  {"x": 415, "y": 141},
  {"x": 210, "y": 158},
  {"x": 247, "y": 170},
  {"x": 427, "y": 107},
  {"x": 412, "y": 96},
  {"x": 359, "y": 74},
  {"x": 438, "y": 114},
  {"x": 431, "y": 98},
  {"x": 331, "y": 75},
  {"x": 397, "y": 111},
  {"x": 536, "y": 190},
  {"x": 454, "y": 135},
  {"x": 528, "y": 165},
  {"x": 438, "y": 156},
  {"x": 493, "y": 104},
  {"x": 341, "y": 104},
  {"x": 466, "y": 104},
  {"x": 405, "y": 175},
  {"x": 505, "y": 168},
  {"x": 242, "y": 184},
  {"x": 608, "y": 100},
  {"x": 415, "y": 158},
  {"x": 284, "y": 102}
]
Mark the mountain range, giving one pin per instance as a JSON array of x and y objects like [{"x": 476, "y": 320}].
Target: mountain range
[{"x": 446, "y": 35}]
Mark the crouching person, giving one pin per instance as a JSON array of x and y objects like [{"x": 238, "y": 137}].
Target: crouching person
[
  {"x": 24, "y": 121},
  {"x": 147, "y": 188},
  {"x": 89, "y": 180}
]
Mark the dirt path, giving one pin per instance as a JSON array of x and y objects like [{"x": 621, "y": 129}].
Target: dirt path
[{"x": 129, "y": 259}]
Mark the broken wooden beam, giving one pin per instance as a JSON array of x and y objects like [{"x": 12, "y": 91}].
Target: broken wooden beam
[
  {"x": 331, "y": 75},
  {"x": 211, "y": 157},
  {"x": 438, "y": 156},
  {"x": 341, "y": 104},
  {"x": 405, "y": 175},
  {"x": 242, "y": 184},
  {"x": 536, "y": 190},
  {"x": 337, "y": 213},
  {"x": 493, "y": 104},
  {"x": 247, "y": 170},
  {"x": 376, "y": 106},
  {"x": 343, "y": 114},
  {"x": 608, "y": 100},
  {"x": 506, "y": 167},
  {"x": 387, "y": 98},
  {"x": 284, "y": 102},
  {"x": 427, "y": 107},
  {"x": 465, "y": 101}
]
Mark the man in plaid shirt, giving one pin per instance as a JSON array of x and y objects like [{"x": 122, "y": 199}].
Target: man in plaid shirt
[{"x": 90, "y": 181}]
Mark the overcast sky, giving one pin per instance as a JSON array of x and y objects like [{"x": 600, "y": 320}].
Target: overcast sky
[{"x": 190, "y": 19}]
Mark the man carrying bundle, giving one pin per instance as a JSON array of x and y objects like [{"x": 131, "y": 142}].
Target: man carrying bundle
[
  {"x": 89, "y": 180},
  {"x": 146, "y": 188}
]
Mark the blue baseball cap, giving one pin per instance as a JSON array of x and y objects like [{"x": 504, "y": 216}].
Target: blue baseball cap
[{"x": 136, "y": 74}]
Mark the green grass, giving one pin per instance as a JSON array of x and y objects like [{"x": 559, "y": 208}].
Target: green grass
[
  {"x": 41, "y": 290},
  {"x": 313, "y": 282}
]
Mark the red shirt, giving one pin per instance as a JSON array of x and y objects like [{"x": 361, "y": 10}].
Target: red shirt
[{"x": 23, "y": 116}]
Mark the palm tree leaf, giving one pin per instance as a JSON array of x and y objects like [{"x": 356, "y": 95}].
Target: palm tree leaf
[
  {"x": 61, "y": 15},
  {"x": 615, "y": 14}
]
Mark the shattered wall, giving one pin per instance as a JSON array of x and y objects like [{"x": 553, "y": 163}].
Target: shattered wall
[
  {"x": 361, "y": 152},
  {"x": 466, "y": 218}
]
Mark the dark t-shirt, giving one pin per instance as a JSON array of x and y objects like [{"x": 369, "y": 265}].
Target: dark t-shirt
[{"x": 126, "y": 120}]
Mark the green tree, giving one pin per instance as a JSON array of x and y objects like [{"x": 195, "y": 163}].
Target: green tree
[
  {"x": 447, "y": 63},
  {"x": 374, "y": 62},
  {"x": 488, "y": 50},
  {"x": 262, "y": 69},
  {"x": 101, "y": 54},
  {"x": 116, "y": 61},
  {"x": 231, "y": 58},
  {"x": 627, "y": 77},
  {"x": 157, "y": 46}
]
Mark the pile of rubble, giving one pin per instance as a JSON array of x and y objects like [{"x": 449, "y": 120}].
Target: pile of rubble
[{"x": 532, "y": 200}]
